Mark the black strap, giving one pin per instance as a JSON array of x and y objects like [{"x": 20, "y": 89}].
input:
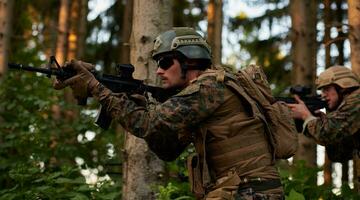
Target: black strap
[{"x": 259, "y": 186}]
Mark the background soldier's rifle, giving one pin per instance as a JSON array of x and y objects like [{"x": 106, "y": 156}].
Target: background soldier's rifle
[
  {"x": 122, "y": 82},
  {"x": 313, "y": 103}
]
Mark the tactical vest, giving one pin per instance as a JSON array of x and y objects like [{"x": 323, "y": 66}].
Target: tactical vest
[{"x": 233, "y": 139}]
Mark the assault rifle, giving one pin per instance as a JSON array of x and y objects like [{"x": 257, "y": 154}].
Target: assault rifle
[
  {"x": 122, "y": 82},
  {"x": 313, "y": 103}
]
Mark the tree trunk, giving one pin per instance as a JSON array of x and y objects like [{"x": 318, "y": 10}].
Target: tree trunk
[
  {"x": 77, "y": 29},
  {"x": 60, "y": 54},
  {"x": 327, "y": 171},
  {"x": 6, "y": 7},
  {"x": 126, "y": 32},
  {"x": 354, "y": 36},
  {"x": 63, "y": 30},
  {"x": 50, "y": 33},
  {"x": 143, "y": 169},
  {"x": 82, "y": 29},
  {"x": 214, "y": 29},
  {"x": 303, "y": 17},
  {"x": 327, "y": 38},
  {"x": 327, "y": 42}
]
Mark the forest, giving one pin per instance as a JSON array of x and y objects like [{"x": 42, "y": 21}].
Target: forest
[{"x": 50, "y": 147}]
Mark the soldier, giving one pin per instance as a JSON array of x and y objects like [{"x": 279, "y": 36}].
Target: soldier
[
  {"x": 233, "y": 158},
  {"x": 338, "y": 129}
]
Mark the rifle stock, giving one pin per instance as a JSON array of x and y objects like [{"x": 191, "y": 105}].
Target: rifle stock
[{"x": 123, "y": 82}]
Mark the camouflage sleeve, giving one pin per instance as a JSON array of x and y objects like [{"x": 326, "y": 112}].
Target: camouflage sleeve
[
  {"x": 166, "y": 127},
  {"x": 336, "y": 125}
]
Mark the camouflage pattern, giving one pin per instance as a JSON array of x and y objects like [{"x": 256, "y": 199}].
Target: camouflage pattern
[
  {"x": 339, "y": 127},
  {"x": 171, "y": 126},
  {"x": 166, "y": 127},
  {"x": 336, "y": 125}
]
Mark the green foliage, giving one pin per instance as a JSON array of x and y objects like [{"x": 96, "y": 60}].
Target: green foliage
[
  {"x": 41, "y": 134},
  {"x": 38, "y": 150},
  {"x": 106, "y": 51},
  {"x": 170, "y": 192},
  {"x": 177, "y": 186},
  {"x": 33, "y": 182},
  {"x": 300, "y": 183}
]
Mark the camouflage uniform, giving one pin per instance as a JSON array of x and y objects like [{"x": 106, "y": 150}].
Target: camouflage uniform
[
  {"x": 338, "y": 124},
  {"x": 338, "y": 130},
  {"x": 233, "y": 156},
  {"x": 205, "y": 104},
  {"x": 343, "y": 124}
]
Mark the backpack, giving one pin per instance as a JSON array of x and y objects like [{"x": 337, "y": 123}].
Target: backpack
[{"x": 280, "y": 128}]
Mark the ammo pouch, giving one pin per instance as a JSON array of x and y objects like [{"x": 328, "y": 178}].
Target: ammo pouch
[{"x": 195, "y": 176}]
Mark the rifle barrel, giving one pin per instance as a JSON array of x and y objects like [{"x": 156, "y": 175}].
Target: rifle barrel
[{"x": 48, "y": 71}]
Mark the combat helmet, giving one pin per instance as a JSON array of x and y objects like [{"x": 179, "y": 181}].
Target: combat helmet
[
  {"x": 182, "y": 40},
  {"x": 338, "y": 75}
]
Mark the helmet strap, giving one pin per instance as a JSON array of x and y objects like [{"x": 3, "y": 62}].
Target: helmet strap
[{"x": 184, "y": 69}]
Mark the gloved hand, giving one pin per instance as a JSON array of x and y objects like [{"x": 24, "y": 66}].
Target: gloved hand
[
  {"x": 299, "y": 109},
  {"x": 81, "y": 83}
]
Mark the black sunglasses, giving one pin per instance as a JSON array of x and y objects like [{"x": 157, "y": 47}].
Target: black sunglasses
[{"x": 165, "y": 62}]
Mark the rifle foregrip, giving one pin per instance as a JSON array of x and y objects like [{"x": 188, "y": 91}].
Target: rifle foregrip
[{"x": 103, "y": 119}]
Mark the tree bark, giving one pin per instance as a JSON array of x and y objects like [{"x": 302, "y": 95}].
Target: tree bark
[
  {"x": 143, "y": 169},
  {"x": 214, "y": 29},
  {"x": 303, "y": 36},
  {"x": 6, "y": 7}
]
